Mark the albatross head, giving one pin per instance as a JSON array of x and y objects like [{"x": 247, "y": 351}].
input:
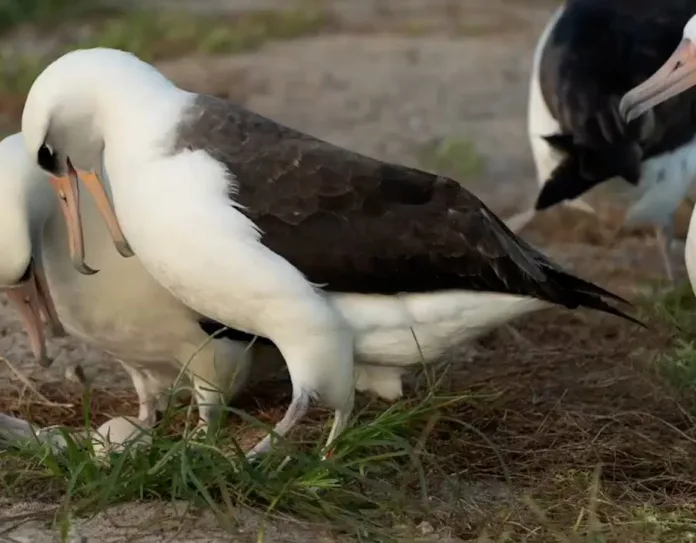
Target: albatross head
[
  {"x": 61, "y": 128},
  {"x": 676, "y": 75},
  {"x": 24, "y": 206}
]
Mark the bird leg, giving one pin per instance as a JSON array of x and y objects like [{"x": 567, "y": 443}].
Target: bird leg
[
  {"x": 341, "y": 419},
  {"x": 298, "y": 408},
  {"x": 664, "y": 235},
  {"x": 218, "y": 370},
  {"x": 210, "y": 402},
  {"x": 147, "y": 397}
]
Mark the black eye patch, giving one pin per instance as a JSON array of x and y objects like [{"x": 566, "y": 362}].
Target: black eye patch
[{"x": 48, "y": 160}]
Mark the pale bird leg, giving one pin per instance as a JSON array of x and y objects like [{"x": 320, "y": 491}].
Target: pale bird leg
[
  {"x": 147, "y": 398},
  {"x": 211, "y": 403},
  {"x": 665, "y": 238},
  {"x": 341, "y": 419},
  {"x": 298, "y": 409}
]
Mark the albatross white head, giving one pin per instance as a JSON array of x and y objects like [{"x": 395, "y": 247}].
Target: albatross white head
[
  {"x": 676, "y": 75},
  {"x": 23, "y": 207},
  {"x": 61, "y": 124}
]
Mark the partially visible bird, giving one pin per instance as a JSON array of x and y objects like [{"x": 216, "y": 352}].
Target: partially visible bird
[
  {"x": 590, "y": 54},
  {"x": 666, "y": 88},
  {"x": 121, "y": 310}
]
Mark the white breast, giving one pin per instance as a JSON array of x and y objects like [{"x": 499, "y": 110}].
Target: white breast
[{"x": 121, "y": 309}]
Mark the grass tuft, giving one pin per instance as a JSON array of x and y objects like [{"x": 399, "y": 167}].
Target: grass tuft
[
  {"x": 155, "y": 36},
  {"x": 42, "y": 12},
  {"x": 513, "y": 453},
  {"x": 352, "y": 489},
  {"x": 677, "y": 306}
]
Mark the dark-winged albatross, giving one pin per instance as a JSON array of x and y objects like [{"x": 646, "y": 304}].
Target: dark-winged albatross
[
  {"x": 252, "y": 223},
  {"x": 123, "y": 311},
  {"x": 590, "y": 54}
]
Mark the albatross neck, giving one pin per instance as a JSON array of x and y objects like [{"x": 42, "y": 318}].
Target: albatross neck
[{"x": 137, "y": 112}]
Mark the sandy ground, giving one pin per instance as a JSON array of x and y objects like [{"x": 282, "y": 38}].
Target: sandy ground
[{"x": 388, "y": 86}]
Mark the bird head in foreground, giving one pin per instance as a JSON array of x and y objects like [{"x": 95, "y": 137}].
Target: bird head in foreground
[
  {"x": 61, "y": 127},
  {"x": 676, "y": 75},
  {"x": 21, "y": 276}
]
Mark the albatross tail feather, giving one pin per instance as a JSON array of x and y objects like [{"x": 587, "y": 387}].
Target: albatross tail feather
[{"x": 581, "y": 293}]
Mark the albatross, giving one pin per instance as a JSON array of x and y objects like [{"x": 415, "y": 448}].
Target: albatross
[
  {"x": 122, "y": 310},
  {"x": 590, "y": 53},
  {"x": 279, "y": 234},
  {"x": 673, "y": 80}
]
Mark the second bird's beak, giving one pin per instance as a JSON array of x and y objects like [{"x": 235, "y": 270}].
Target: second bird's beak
[
  {"x": 68, "y": 190},
  {"x": 674, "y": 77},
  {"x": 26, "y": 296}
]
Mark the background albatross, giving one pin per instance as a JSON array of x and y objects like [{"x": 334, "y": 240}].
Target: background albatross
[
  {"x": 252, "y": 223},
  {"x": 588, "y": 56},
  {"x": 676, "y": 76}
]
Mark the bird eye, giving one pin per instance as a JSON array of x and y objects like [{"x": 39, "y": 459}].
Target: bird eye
[{"x": 48, "y": 160}]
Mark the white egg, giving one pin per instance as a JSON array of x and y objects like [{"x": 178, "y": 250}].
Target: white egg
[{"x": 116, "y": 434}]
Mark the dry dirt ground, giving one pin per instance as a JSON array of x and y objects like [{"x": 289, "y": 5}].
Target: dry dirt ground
[{"x": 391, "y": 80}]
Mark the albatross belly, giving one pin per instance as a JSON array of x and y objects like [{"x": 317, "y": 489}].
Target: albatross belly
[
  {"x": 665, "y": 180},
  {"x": 410, "y": 329}
]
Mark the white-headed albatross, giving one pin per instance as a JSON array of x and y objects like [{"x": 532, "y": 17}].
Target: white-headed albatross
[
  {"x": 123, "y": 311},
  {"x": 590, "y": 54},
  {"x": 676, "y": 77},
  {"x": 252, "y": 223}
]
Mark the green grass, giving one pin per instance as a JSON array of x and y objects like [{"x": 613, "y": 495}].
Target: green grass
[
  {"x": 453, "y": 156},
  {"x": 43, "y": 12},
  {"x": 155, "y": 36},
  {"x": 677, "y": 307},
  {"x": 376, "y": 487},
  {"x": 354, "y": 490}
]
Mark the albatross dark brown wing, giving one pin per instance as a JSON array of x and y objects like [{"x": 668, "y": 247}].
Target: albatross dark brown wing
[{"x": 355, "y": 224}]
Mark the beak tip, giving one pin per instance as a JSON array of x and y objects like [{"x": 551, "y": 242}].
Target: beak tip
[
  {"x": 625, "y": 110},
  {"x": 124, "y": 249},
  {"x": 630, "y": 116},
  {"x": 83, "y": 268}
]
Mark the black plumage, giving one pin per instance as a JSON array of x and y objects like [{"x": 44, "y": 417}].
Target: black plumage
[
  {"x": 597, "y": 51},
  {"x": 355, "y": 224}
]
